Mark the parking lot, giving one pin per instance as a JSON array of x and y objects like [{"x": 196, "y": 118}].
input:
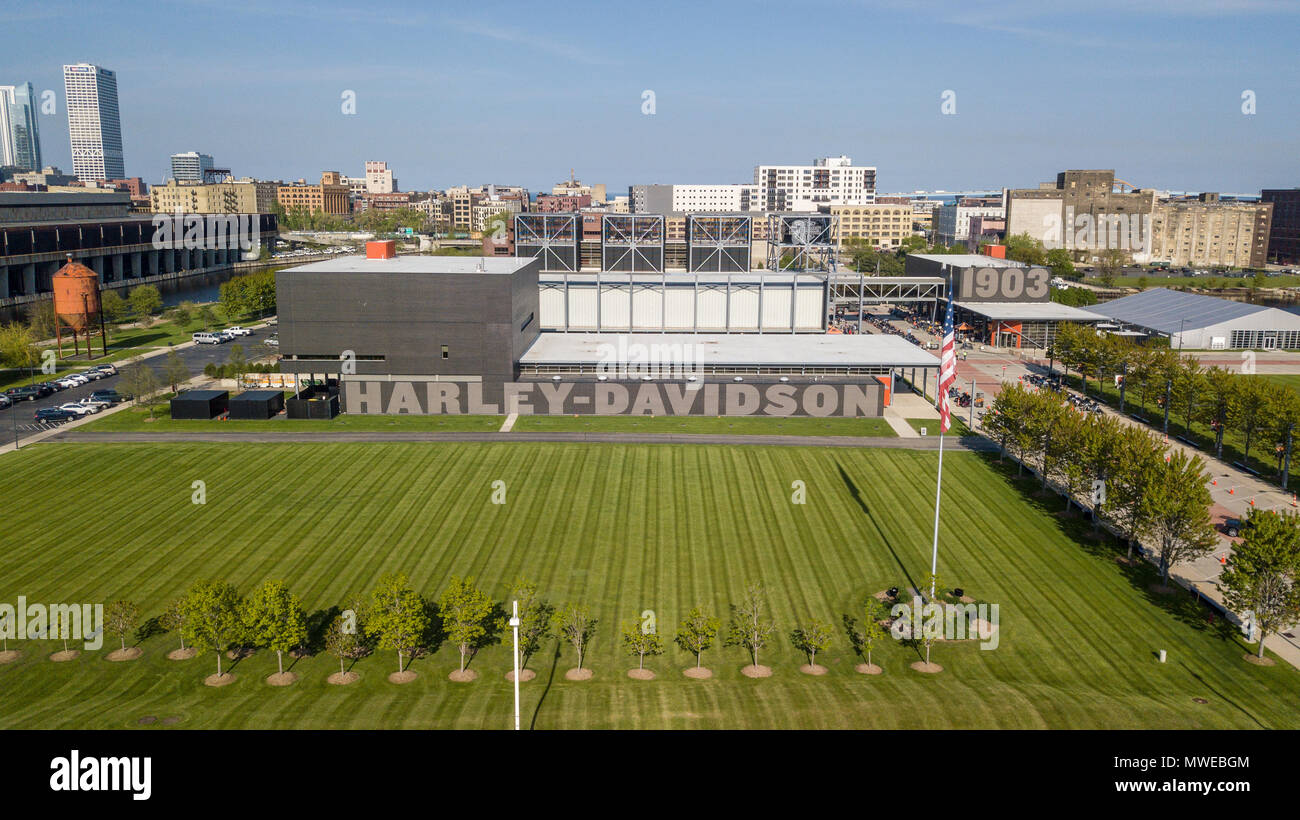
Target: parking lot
[{"x": 17, "y": 421}]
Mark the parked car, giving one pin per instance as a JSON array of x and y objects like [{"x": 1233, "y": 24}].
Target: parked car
[
  {"x": 96, "y": 404},
  {"x": 47, "y": 389},
  {"x": 111, "y": 396},
  {"x": 77, "y": 407},
  {"x": 5, "y": 401},
  {"x": 105, "y": 369},
  {"x": 25, "y": 393},
  {"x": 1235, "y": 527},
  {"x": 67, "y": 382},
  {"x": 237, "y": 330},
  {"x": 54, "y": 414},
  {"x": 273, "y": 341},
  {"x": 207, "y": 339},
  {"x": 92, "y": 374}
]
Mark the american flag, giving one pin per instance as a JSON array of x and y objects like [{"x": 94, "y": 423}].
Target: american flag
[{"x": 947, "y": 367}]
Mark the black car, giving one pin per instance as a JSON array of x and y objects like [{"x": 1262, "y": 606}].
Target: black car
[
  {"x": 111, "y": 396},
  {"x": 1234, "y": 527},
  {"x": 53, "y": 414},
  {"x": 48, "y": 388}
]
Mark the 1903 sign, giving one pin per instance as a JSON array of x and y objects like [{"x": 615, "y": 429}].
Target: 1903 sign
[{"x": 1003, "y": 284}]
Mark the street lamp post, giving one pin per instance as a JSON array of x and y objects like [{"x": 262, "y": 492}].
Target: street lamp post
[{"x": 514, "y": 625}]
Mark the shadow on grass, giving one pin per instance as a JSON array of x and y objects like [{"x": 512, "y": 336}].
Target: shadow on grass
[
  {"x": 1187, "y": 607},
  {"x": 857, "y": 498},
  {"x": 550, "y": 681}
]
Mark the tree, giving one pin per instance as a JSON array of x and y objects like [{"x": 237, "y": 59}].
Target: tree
[
  {"x": 207, "y": 316},
  {"x": 121, "y": 617},
  {"x": 811, "y": 638},
  {"x": 1024, "y": 248},
  {"x": 1137, "y": 456},
  {"x": 1261, "y": 575},
  {"x": 535, "y": 614},
  {"x": 1176, "y": 512},
  {"x": 40, "y": 318},
  {"x": 211, "y": 611},
  {"x": 1218, "y": 409},
  {"x": 1109, "y": 266},
  {"x": 396, "y": 616},
  {"x": 697, "y": 632},
  {"x": 140, "y": 380},
  {"x": 237, "y": 361},
  {"x": 1098, "y": 443},
  {"x": 273, "y": 618},
  {"x": 18, "y": 347},
  {"x": 175, "y": 371},
  {"x": 1283, "y": 416},
  {"x": 343, "y": 643},
  {"x": 1189, "y": 384},
  {"x": 872, "y": 630},
  {"x": 1250, "y": 401},
  {"x": 750, "y": 628},
  {"x": 574, "y": 624},
  {"x": 145, "y": 300},
  {"x": 114, "y": 307},
  {"x": 639, "y": 642},
  {"x": 1058, "y": 259},
  {"x": 173, "y": 618},
  {"x": 465, "y": 610}
]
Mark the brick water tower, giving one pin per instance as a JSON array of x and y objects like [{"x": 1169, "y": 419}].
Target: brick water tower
[{"x": 77, "y": 307}]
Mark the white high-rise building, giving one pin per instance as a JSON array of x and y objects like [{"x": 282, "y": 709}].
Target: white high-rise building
[
  {"x": 20, "y": 138},
  {"x": 190, "y": 166},
  {"x": 828, "y": 181},
  {"x": 94, "y": 123},
  {"x": 379, "y": 178}
]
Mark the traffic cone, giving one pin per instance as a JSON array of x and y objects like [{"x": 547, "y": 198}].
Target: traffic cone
[
  {"x": 1252, "y": 502},
  {"x": 1232, "y": 490},
  {"x": 1223, "y": 559},
  {"x": 1214, "y": 482}
]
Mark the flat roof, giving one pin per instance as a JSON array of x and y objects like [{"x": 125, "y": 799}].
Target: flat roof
[
  {"x": 200, "y": 395},
  {"x": 257, "y": 395},
  {"x": 969, "y": 260},
  {"x": 1030, "y": 311},
  {"x": 735, "y": 349},
  {"x": 685, "y": 277},
  {"x": 417, "y": 264},
  {"x": 1172, "y": 311}
]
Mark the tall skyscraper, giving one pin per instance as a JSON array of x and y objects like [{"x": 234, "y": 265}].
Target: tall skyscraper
[
  {"x": 190, "y": 166},
  {"x": 20, "y": 138},
  {"x": 94, "y": 126}
]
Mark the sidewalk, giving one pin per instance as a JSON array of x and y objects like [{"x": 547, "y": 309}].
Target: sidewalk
[{"x": 1233, "y": 493}]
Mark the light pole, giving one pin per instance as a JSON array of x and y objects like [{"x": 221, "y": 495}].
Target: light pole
[{"x": 514, "y": 625}]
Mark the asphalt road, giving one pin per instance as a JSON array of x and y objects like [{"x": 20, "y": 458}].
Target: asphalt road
[{"x": 18, "y": 420}]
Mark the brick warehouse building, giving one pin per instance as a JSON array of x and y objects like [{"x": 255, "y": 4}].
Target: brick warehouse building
[{"x": 429, "y": 335}]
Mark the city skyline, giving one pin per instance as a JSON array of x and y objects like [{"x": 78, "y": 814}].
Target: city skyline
[{"x": 1033, "y": 91}]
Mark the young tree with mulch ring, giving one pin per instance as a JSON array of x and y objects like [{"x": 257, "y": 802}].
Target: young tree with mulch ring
[
  {"x": 1261, "y": 575},
  {"x": 121, "y": 617},
  {"x": 575, "y": 625},
  {"x": 811, "y": 638},
  {"x": 640, "y": 642},
  {"x": 535, "y": 619},
  {"x": 346, "y": 642},
  {"x": 465, "y": 610},
  {"x": 211, "y": 611},
  {"x": 173, "y": 620},
  {"x": 696, "y": 634},
  {"x": 396, "y": 617},
  {"x": 6, "y": 626},
  {"x": 273, "y": 618},
  {"x": 751, "y": 629},
  {"x": 873, "y": 632}
]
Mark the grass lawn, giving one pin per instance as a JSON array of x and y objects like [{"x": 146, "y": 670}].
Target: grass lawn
[
  {"x": 737, "y": 425},
  {"x": 624, "y": 529},
  {"x": 134, "y": 420}
]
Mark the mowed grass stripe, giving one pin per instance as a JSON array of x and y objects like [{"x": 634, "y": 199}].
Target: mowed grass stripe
[{"x": 621, "y": 528}]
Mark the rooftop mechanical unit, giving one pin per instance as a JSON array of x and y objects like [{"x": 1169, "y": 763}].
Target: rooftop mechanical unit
[
  {"x": 555, "y": 238},
  {"x": 718, "y": 243},
  {"x": 632, "y": 243},
  {"x": 801, "y": 242}
]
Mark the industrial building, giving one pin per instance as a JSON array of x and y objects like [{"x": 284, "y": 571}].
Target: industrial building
[
  {"x": 435, "y": 335},
  {"x": 1194, "y": 322}
]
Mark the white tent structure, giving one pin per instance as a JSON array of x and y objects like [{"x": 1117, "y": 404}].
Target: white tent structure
[{"x": 1195, "y": 322}]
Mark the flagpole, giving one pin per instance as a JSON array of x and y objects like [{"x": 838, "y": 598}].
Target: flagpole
[
  {"x": 938, "y": 493},
  {"x": 947, "y": 356}
]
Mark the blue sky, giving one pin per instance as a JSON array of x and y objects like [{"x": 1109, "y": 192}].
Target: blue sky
[{"x": 468, "y": 93}]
